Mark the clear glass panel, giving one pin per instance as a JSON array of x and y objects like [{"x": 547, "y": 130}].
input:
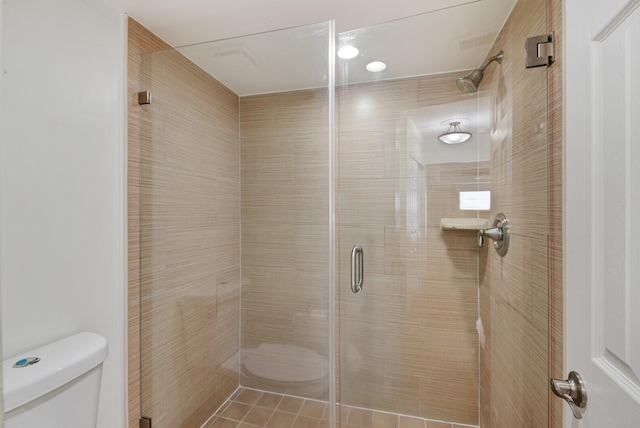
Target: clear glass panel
[
  {"x": 410, "y": 341},
  {"x": 234, "y": 203},
  {"x": 285, "y": 225}
]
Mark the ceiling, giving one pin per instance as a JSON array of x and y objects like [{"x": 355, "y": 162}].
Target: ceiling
[{"x": 413, "y": 37}]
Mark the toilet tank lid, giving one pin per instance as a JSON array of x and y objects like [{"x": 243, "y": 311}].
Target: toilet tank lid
[{"x": 60, "y": 362}]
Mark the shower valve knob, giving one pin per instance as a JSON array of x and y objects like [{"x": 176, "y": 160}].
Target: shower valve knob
[{"x": 499, "y": 233}]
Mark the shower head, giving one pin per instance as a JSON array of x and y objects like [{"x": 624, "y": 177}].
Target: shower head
[{"x": 470, "y": 82}]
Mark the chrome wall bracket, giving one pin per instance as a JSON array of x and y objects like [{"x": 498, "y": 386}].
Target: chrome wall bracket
[
  {"x": 499, "y": 233},
  {"x": 144, "y": 98},
  {"x": 539, "y": 51}
]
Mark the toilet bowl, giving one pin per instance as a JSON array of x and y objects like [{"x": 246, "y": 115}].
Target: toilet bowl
[{"x": 55, "y": 386}]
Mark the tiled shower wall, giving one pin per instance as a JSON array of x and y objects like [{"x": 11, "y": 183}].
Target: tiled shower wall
[
  {"x": 515, "y": 289},
  {"x": 189, "y": 241},
  {"x": 285, "y": 228}
]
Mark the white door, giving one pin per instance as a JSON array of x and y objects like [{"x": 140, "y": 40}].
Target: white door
[{"x": 602, "y": 217}]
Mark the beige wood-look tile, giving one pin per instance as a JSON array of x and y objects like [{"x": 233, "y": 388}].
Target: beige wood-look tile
[
  {"x": 362, "y": 154},
  {"x": 268, "y": 245},
  {"x": 269, "y": 400},
  {"x": 408, "y": 422},
  {"x": 235, "y": 411},
  {"x": 371, "y": 204},
  {"x": 360, "y": 417},
  {"x": 281, "y": 420},
  {"x": 384, "y": 420},
  {"x": 263, "y": 161},
  {"x": 248, "y": 396},
  {"x": 222, "y": 423},
  {"x": 228, "y": 293},
  {"x": 227, "y": 380},
  {"x": 311, "y": 331},
  {"x": 265, "y": 327},
  {"x": 313, "y": 409},
  {"x": 290, "y": 404},
  {"x": 324, "y": 424},
  {"x": 310, "y": 247},
  {"x": 445, "y": 304},
  {"x": 432, "y": 424},
  {"x": 258, "y": 416},
  {"x": 306, "y": 422},
  {"x": 289, "y": 298},
  {"x": 440, "y": 89},
  {"x": 375, "y": 105}
]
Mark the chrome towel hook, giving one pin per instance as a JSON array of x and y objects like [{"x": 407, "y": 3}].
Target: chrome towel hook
[{"x": 499, "y": 233}]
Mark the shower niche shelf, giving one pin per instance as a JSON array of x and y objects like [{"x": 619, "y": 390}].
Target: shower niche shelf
[{"x": 463, "y": 224}]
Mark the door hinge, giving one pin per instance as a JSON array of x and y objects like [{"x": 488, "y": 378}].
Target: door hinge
[
  {"x": 144, "y": 97},
  {"x": 539, "y": 51},
  {"x": 145, "y": 422}
]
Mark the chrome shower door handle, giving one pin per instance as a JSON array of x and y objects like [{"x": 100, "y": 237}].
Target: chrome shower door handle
[{"x": 357, "y": 268}]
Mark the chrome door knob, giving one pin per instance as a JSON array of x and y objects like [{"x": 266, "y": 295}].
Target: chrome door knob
[{"x": 573, "y": 392}]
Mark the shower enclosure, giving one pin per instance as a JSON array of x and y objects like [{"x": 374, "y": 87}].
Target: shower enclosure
[{"x": 263, "y": 172}]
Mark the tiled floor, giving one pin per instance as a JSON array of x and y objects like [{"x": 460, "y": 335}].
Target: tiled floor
[{"x": 252, "y": 408}]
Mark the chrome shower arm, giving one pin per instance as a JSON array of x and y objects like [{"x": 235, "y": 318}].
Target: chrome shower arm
[{"x": 497, "y": 58}]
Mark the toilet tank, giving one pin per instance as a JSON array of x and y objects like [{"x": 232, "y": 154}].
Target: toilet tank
[{"x": 61, "y": 389}]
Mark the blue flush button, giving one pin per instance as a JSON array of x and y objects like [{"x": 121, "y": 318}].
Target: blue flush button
[{"x": 26, "y": 362}]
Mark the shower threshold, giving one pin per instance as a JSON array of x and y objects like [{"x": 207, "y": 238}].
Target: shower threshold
[{"x": 250, "y": 408}]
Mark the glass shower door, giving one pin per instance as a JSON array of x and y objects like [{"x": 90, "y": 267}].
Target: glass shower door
[
  {"x": 189, "y": 240},
  {"x": 440, "y": 325},
  {"x": 234, "y": 219}
]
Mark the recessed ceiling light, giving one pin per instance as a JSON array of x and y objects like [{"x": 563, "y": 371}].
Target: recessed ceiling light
[
  {"x": 376, "y": 66},
  {"x": 348, "y": 52}
]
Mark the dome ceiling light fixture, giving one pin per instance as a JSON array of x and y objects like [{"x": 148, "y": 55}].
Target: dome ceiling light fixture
[{"x": 454, "y": 134}]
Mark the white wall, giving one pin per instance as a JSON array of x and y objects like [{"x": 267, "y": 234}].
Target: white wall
[{"x": 62, "y": 181}]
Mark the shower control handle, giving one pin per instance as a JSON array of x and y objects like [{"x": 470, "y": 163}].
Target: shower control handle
[
  {"x": 499, "y": 233},
  {"x": 357, "y": 268},
  {"x": 495, "y": 233}
]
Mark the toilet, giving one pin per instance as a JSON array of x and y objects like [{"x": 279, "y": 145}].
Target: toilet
[{"x": 55, "y": 386}]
